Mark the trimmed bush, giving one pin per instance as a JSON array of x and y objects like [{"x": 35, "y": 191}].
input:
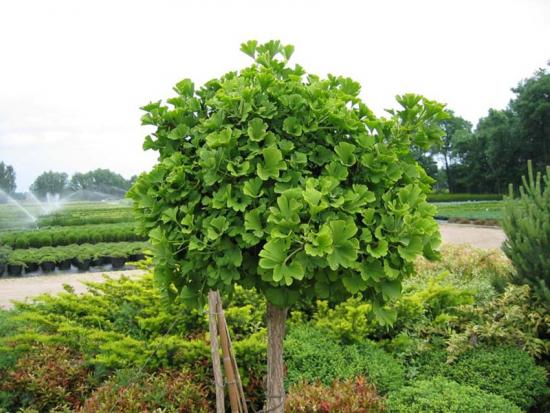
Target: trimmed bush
[
  {"x": 442, "y": 396},
  {"x": 505, "y": 371},
  {"x": 463, "y": 197},
  {"x": 311, "y": 355},
  {"x": 351, "y": 396}
]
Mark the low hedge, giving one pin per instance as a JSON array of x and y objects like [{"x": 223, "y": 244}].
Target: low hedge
[
  {"x": 82, "y": 234},
  {"x": 463, "y": 197},
  {"x": 311, "y": 356},
  {"x": 29, "y": 258},
  {"x": 506, "y": 371},
  {"x": 440, "y": 395}
]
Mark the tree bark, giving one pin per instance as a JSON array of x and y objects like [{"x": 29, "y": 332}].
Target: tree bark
[{"x": 276, "y": 318}]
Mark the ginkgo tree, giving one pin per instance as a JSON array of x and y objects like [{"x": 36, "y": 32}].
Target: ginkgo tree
[{"x": 280, "y": 180}]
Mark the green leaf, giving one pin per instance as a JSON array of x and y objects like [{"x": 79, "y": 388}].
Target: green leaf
[
  {"x": 391, "y": 290},
  {"x": 250, "y": 48},
  {"x": 336, "y": 170},
  {"x": 287, "y": 51},
  {"x": 273, "y": 253},
  {"x": 253, "y": 222},
  {"x": 345, "y": 152},
  {"x": 319, "y": 244},
  {"x": 185, "y": 88},
  {"x": 345, "y": 247},
  {"x": 380, "y": 250},
  {"x": 217, "y": 139},
  {"x": 412, "y": 250},
  {"x": 257, "y": 129},
  {"x": 385, "y": 316},
  {"x": 272, "y": 165},
  {"x": 253, "y": 188},
  {"x": 292, "y": 126},
  {"x": 354, "y": 283},
  {"x": 288, "y": 272}
]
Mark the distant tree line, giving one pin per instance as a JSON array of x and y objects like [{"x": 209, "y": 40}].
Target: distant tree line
[
  {"x": 486, "y": 159},
  {"x": 102, "y": 181}
]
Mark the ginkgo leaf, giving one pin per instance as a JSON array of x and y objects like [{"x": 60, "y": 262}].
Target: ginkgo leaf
[
  {"x": 257, "y": 129},
  {"x": 345, "y": 152},
  {"x": 272, "y": 165},
  {"x": 345, "y": 247}
]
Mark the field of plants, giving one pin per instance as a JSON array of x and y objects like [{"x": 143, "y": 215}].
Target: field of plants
[
  {"x": 464, "y": 336},
  {"x": 81, "y": 235}
]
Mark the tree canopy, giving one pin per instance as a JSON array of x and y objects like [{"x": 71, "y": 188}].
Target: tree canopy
[
  {"x": 7, "y": 178},
  {"x": 277, "y": 179},
  {"x": 49, "y": 183}
]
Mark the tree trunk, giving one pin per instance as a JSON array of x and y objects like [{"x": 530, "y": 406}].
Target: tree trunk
[{"x": 276, "y": 318}]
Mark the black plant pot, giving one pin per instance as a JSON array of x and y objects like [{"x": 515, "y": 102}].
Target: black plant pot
[
  {"x": 15, "y": 269},
  {"x": 83, "y": 265},
  {"x": 136, "y": 257},
  {"x": 74, "y": 262},
  {"x": 2, "y": 268},
  {"x": 31, "y": 267},
  {"x": 118, "y": 262},
  {"x": 48, "y": 266},
  {"x": 105, "y": 260},
  {"x": 64, "y": 265}
]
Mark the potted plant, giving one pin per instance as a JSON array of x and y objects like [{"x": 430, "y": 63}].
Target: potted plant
[
  {"x": 15, "y": 266},
  {"x": 118, "y": 259},
  {"x": 83, "y": 261},
  {"x": 4, "y": 253},
  {"x": 47, "y": 263}
]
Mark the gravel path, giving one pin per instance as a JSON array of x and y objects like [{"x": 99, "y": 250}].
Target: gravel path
[
  {"x": 475, "y": 235},
  {"x": 18, "y": 288}
]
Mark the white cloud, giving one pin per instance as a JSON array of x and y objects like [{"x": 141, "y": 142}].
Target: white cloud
[{"x": 73, "y": 74}]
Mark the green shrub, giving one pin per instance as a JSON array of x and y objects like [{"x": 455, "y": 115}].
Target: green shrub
[
  {"x": 350, "y": 396},
  {"x": 505, "y": 371},
  {"x": 463, "y": 197},
  {"x": 165, "y": 391},
  {"x": 312, "y": 355},
  {"x": 527, "y": 226},
  {"x": 442, "y": 396}
]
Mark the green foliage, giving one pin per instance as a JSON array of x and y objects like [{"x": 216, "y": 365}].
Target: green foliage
[
  {"x": 505, "y": 371},
  {"x": 7, "y": 178},
  {"x": 442, "y": 396},
  {"x": 87, "y": 214},
  {"x": 312, "y": 356},
  {"x": 168, "y": 391},
  {"x": 508, "y": 319},
  {"x": 81, "y": 252},
  {"x": 56, "y": 236},
  {"x": 101, "y": 180},
  {"x": 527, "y": 229},
  {"x": 461, "y": 197},
  {"x": 349, "y": 396},
  {"x": 482, "y": 210},
  {"x": 273, "y": 178},
  {"x": 49, "y": 183}
]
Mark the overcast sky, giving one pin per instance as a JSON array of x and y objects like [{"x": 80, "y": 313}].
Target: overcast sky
[{"x": 73, "y": 74}]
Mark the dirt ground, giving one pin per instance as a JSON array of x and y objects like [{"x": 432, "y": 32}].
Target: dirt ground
[
  {"x": 19, "y": 288},
  {"x": 480, "y": 237}
]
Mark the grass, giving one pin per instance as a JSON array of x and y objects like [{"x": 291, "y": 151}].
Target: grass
[{"x": 470, "y": 210}]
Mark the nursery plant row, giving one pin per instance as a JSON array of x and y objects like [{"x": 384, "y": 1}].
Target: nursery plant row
[
  {"x": 83, "y": 216},
  {"x": 84, "y": 256},
  {"x": 67, "y": 235}
]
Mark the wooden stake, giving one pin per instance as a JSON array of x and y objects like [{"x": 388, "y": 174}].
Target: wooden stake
[
  {"x": 214, "y": 349},
  {"x": 227, "y": 364},
  {"x": 242, "y": 400}
]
